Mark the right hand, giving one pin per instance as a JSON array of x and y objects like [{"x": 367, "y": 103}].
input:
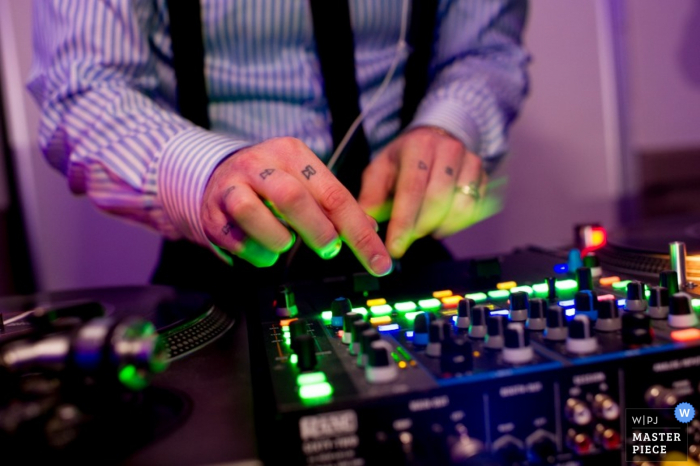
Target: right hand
[{"x": 251, "y": 190}]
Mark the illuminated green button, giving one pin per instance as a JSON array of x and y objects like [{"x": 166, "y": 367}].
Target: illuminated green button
[
  {"x": 360, "y": 310},
  {"x": 540, "y": 288},
  {"x": 381, "y": 310},
  {"x": 316, "y": 390},
  {"x": 130, "y": 377},
  {"x": 286, "y": 331},
  {"x": 405, "y": 306},
  {"x": 311, "y": 378},
  {"x": 696, "y": 304},
  {"x": 430, "y": 304},
  {"x": 499, "y": 294},
  {"x": 524, "y": 288},
  {"x": 326, "y": 316},
  {"x": 411, "y": 316},
  {"x": 477, "y": 297},
  {"x": 567, "y": 284},
  {"x": 621, "y": 285},
  {"x": 647, "y": 291},
  {"x": 294, "y": 359}
]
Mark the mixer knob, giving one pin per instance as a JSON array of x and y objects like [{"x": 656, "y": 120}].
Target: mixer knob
[
  {"x": 586, "y": 302},
  {"x": 366, "y": 339},
  {"x": 584, "y": 277},
  {"x": 581, "y": 338},
  {"x": 339, "y": 307},
  {"x": 358, "y": 327},
  {"x": 517, "y": 349},
  {"x": 495, "y": 326},
  {"x": 659, "y": 302},
  {"x": 536, "y": 318},
  {"x": 297, "y": 328},
  {"x": 608, "y": 316},
  {"x": 440, "y": 330},
  {"x": 577, "y": 412},
  {"x": 304, "y": 347},
  {"x": 605, "y": 407},
  {"x": 574, "y": 262},
  {"x": 669, "y": 279},
  {"x": 285, "y": 303},
  {"x": 552, "y": 297},
  {"x": 464, "y": 308},
  {"x": 658, "y": 396},
  {"x": 380, "y": 366},
  {"x": 349, "y": 319},
  {"x": 556, "y": 329},
  {"x": 421, "y": 324},
  {"x": 592, "y": 262},
  {"x": 636, "y": 300},
  {"x": 519, "y": 305},
  {"x": 477, "y": 329},
  {"x": 636, "y": 329},
  {"x": 542, "y": 450},
  {"x": 681, "y": 313},
  {"x": 456, "y": 356}
]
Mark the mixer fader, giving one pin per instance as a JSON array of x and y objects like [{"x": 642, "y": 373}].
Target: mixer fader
[{"x": 534, "y": 365}]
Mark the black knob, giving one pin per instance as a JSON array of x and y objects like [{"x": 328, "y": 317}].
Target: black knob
[
  {"x": 377, "y": 356},
  {"x": 366, "y": 339},
  {"x": 608, "y": 316},
  {"x": 439, "y": 331},
  {"x": 297, "y": 328},
  {"x": 477, "y": 329},
  {"x": 358, "y": 327},
  {"x": 584, "y": 277},
  {"x": 420, "y": 328},
  {"x": 681, "y": 313},
  {"x": 464, "y": 308},
  {"x": 591, "y": 261},
  {"x": 519, "y": 305},
  {"x": 306, "y": 352},
  {"x": 581, "y": 337},
  {"x": 380, "y": 367},
  {"x": 636, "y": 329},
  {"x": 517, "y": 349},
  {"x": 552, "y": 290},
  {"x": 456, "y": 356},
  {"x": 495, "y": 327},
  {"x": 285, "y": 303},
  {"x": 636, "y": 300},
  {"x": 659, "y": 302},
  {"x": 340, "y": 307},
  {"x": 348, "y": 321},
  {"x": 556, "y": 329},
  {"x": 536, "y": 318},
  {"x": 669, "y": 279},
  {"x": 542, "y": 451},
  {"x": 586, "y": 301}
]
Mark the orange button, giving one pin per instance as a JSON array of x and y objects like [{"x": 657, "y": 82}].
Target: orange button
[
  {"x": 442, "y": 294},
  {"x": 451, "y": 301},
  {"x": 607, "y": 281},
  {"x": 687, "y": 334},
  {"x": 376, "y": 302}
]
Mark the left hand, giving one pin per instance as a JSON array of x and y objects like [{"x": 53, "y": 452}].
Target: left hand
[{"x": 425, "y": 182}]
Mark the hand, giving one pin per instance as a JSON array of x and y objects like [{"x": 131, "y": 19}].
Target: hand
[
  {"x": 421, "y": 181},
  {"x": 250, "y": 191}
]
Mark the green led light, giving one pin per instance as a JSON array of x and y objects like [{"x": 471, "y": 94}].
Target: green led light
[
  {"x": 327, "y": 316},
  {"x": 411, "y": 316},
  {"x": 396, "y": 357},
  {"x": 131, "y": 378},
  {"x": 696, "y": 304},
  {"x": 540, "y": 288},
  {"x": 429, "y": 304},
  {"x": 360, "y": 310},
  {"x": 294, "y": 359},
  {"x": 405, "y": 306},
  {"x": 525, "y": 288},
  {"x": 499, "y": 294},
  {"x": 404, "y": 353},
  {"x": 286, "y": 331},
  {"x": 621, "y": 285},
  {"x": 317, "y": 390},
  {"x": 382, "y": 310},
  {"x": 311, "y": 378},
  {"x": 566, "y": 284},
  {"x": 477, "y": 297},
  {"x": 288, "y": 340},
  {"x": 647, "y": 292}
]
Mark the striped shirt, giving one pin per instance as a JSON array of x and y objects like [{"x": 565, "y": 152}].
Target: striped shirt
[{"x": 103, "y": 76}]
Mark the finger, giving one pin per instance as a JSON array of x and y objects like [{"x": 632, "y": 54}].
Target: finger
[
  {"x": 378, "y": 181},
  {"x": 465, "y": 209},
  {"x": 344, "y": 212},
  {"x": 414, "y": 172},
  {"x": 242, "y": 205},
  {"x": 229, "y": 236},
  {"x": 440, "y": 189}
]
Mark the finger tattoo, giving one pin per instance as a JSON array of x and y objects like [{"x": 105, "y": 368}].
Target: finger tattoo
[
  {"x": 308, "y": 171},
  {"x": 265, "y": 173},
  {"x": 422, "y": 165},
  {"x": 227, "y": 192},
  {"x": 449, "y": 171},
  {"x": 227, "y": 229}
]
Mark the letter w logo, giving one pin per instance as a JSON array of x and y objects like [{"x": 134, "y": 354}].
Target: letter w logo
[{"x": 684, "y": 412}]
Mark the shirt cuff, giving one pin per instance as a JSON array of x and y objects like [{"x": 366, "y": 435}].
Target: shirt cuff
[
  {"x": 453, "y": 117},
  {"x": 184, "y": 168}
]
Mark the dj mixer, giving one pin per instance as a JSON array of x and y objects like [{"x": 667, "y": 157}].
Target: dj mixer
[{"x": 528, "y": 359}]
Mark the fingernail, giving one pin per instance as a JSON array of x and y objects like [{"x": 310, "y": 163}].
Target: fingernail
[
  {"x": 374, "y": 222},
  {"x": 331, "y": 250},
  {"x": 381, "y": 265},
  {"x": 291, "y": 242}
]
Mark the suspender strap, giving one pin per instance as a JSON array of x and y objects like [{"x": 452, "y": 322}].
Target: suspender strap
[
  {"x": 188, "y": 60},
  {"x": 336, "y": 52}
]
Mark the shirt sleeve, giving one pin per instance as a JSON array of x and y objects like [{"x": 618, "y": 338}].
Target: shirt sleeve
[
  {"x": 478, "y": 76},
  {"x": 94, "y": 78}
]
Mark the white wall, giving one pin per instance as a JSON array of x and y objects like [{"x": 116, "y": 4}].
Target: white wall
[{"x": 73, "y": 244}]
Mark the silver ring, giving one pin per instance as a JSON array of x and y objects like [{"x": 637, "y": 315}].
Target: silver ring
[{"x": 471, "y": 190}]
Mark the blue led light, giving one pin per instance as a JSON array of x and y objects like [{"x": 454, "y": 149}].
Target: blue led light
[
  {"x": 409, "y": 334},
  {"x": 388, "y": 328},
  {"x": 567, "y": 303},
  {"x": 454, "y": 319},
  {"x": 500, "y": 312},
  {"x": 570, "y": 312},
  {"x": 621, "y": 302},
  {"x": 561, "y": 268}
]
